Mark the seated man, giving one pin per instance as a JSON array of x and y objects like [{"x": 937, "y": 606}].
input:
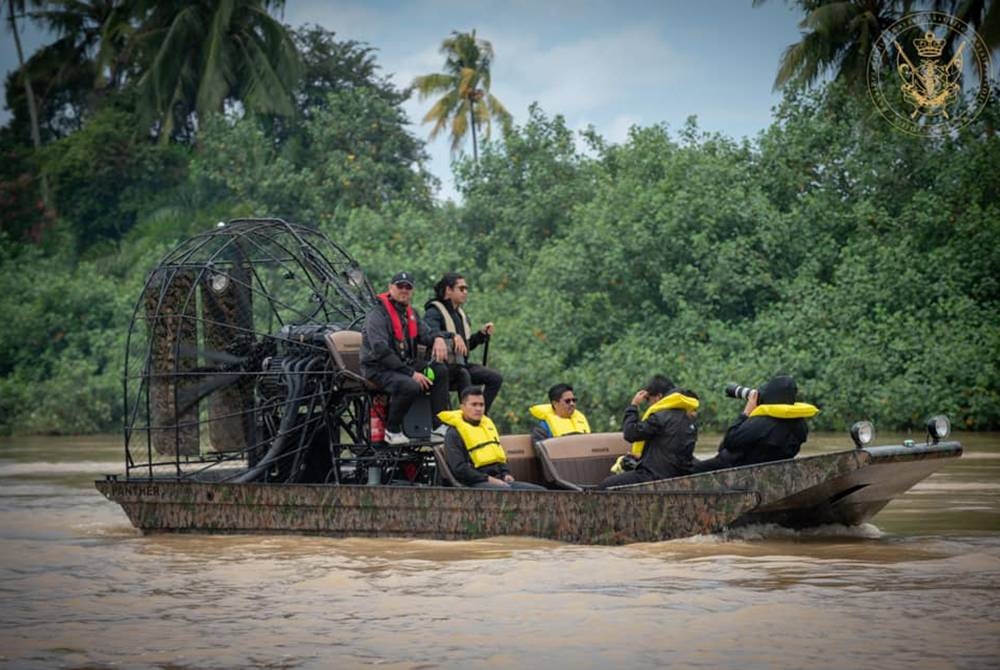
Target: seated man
[
  {"x": 445, "y": 314},
  {"x": 663, "y": 440},
  {"x": 770, "y": 431},
  {"x": 472, "y": 446},
  {"x": 390, "y": 335},
  {"x": 559, "y": 416}
]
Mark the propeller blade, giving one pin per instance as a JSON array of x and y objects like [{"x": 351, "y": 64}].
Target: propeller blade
[
  {"x": 212, "y": 355},
  {"x": 190, "y": 396}
]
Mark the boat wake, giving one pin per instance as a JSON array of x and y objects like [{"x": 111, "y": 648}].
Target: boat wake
[{"x": 771, "y": 531}]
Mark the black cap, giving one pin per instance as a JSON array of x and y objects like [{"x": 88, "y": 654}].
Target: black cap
[{"x": 403, "y": 277}]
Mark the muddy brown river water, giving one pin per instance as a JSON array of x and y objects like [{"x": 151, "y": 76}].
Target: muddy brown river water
[{"x": 918, "y": 587}]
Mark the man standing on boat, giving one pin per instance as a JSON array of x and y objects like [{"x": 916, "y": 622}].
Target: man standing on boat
[
  {"x": 663, "y": 439},
  {"x": 390, "y": 335},
  {"x": 559, "y": 416},
  {"x": 770, "y": 431},
  {"x": 445, "y": 313},
  {"x": 472, "y": 446}
]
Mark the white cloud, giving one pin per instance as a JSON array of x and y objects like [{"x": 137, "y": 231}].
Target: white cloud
[
  {"x": 350, "y": 21},
  {"x": 580, "y": 76},
  {"x": 619, "y": 126}
]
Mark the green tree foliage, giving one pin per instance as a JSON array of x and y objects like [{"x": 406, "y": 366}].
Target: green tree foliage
[
  {"x": 14, "y": 9},
  {"x": 197, "y": 55},
  {"x": 73, "y": 72},
  {"x": 831, "y": 247},
  {"x": 61, "y": 355},
  {"x": 172, "y": 61},
  {"x": 106, "y": 174},
  {"x": 24, "y": 214},
  {"x": 330, "y": 65},
  {"x": 346, "y": 148},
  {"x": 359, "y": 156}
]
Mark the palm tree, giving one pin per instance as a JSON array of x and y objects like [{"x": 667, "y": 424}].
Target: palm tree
[
  {"x": 15, "y": 7},
  {"x": 93, "y": 35},
  {"x": 840, "y": 35},
  {"x": 86, "y": 61},
  {"x": 196, "y": 55},
  {"x": 466, "y": 102}
]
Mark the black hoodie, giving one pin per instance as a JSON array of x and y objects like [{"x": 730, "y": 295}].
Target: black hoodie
[{"x": 761, "y": 439}]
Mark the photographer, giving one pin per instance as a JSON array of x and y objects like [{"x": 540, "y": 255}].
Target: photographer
[
  {"x": 772, "y": 427},
  {"x": 663, "y": 439}
]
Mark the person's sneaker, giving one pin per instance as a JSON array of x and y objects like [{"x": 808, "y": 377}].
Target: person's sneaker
[
  {"x": 396, "y": 439},
  {"x": 437, "y": 435}
]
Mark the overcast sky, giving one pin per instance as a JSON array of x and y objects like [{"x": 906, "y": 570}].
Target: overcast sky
[{"x": 606, "y": 64}]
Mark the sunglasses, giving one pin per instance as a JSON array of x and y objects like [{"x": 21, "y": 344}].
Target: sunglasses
[
  {"x": 569, "y": 401},
  {"x": 405, "y": 286}
]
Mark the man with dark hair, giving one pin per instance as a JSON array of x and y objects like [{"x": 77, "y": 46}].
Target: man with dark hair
[
  {"x": 390, "y": 335},
  {"x": 445, "y": 313},
  {"x": 663, "y": 439},
  {"x": 472, "y": 446},
  {"x": 772, "y": 427},
  {"x": 559, "y": 416}
]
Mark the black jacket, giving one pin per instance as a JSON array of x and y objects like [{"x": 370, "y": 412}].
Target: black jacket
[
  {"x": 760, "y": 439},
  {"x": 435, "y": 321},
  {"x": 670, "y": 437},
  {"x": 379, "y": 350},
  {"x": 460, "y": 463}
]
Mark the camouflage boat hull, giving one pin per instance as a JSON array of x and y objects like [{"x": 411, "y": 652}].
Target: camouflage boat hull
[
  {"x": 847, "y": 487},
  {"x": 424, "y": 512}
]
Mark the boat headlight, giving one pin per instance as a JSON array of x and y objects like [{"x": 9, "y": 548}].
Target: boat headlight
[
  {"x": 355, "y": 277},
  {"x": 862, "y": 432},
  {"x": 219, "y": 281},
  {"x": 938, "y": 428}
]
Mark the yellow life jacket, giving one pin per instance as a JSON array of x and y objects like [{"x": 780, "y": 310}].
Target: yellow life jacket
[
  {"x": 800, "y": 410},
  {"x": 576, "y": 423},
  {"x": 482, "y": 441},
  {"x": 449, "y": 323},
  {"x": 672, "y": 401}
]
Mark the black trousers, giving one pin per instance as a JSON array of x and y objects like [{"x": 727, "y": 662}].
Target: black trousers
[
  {"x": 626, "y": 478},
  {"x": 472, "y": 374},
  {"x": 404, "y": 389},
  {"x": 720, "y": 461}
]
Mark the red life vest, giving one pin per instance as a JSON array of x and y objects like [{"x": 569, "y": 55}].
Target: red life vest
[{"x": 397, "y": 326}]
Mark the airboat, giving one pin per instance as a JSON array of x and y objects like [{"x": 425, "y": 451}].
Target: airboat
[{"x": 246, "y": 412}]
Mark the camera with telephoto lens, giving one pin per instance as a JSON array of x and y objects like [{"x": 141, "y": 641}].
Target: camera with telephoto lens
[{"x": 737, "y": 391}]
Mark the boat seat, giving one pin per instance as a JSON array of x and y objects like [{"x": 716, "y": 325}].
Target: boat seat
[
  {"x": 345, "y": 349},
  {"x": 577, "y": 462},
  {"x": 521, "y": 459},
  {"x": 445, "y": 476}
]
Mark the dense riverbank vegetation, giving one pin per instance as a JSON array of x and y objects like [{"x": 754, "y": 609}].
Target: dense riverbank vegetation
[{"x": 861, "y": 260}]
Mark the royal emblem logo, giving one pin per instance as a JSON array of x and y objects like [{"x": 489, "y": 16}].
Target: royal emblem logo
[{"x": 929, "y": 74}]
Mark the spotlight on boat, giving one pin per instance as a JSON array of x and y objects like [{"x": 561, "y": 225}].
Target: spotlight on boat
[
  {"x": 938, "y": 428},
  {"x": 862, "y": 432}
]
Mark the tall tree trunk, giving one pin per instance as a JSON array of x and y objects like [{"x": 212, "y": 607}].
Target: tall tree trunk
[
  {"x": 472, "y": 123},
  {"x": 36, "y": 136}
]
